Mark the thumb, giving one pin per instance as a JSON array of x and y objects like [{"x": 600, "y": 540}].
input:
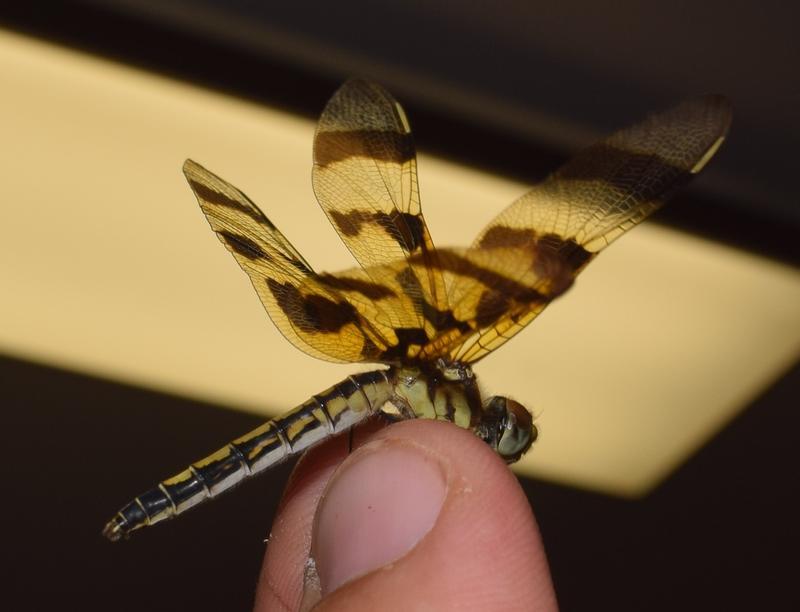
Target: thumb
[{"x": 425, "y": 516}]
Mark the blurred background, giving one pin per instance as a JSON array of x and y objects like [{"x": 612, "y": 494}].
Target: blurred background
[{"x": 665, "y": 383}]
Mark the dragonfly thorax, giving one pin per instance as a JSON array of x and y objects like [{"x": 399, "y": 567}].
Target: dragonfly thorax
[
  {"x": 448, "y": 391},
  {"x": 439, "y": 391}
]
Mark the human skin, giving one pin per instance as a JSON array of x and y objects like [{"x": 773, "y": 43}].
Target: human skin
[{"x": 420, "y": 515}]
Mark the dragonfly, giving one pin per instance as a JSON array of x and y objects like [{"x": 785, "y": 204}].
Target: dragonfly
[{"x": 427, "y": 316}]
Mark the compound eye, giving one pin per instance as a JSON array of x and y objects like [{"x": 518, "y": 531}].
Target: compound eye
[{"x": 517, "y": 432}]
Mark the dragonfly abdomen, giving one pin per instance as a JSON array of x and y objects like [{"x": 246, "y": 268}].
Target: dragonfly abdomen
[{"x": 335, "y": 410}]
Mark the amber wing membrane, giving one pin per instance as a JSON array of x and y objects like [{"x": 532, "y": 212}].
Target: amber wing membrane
[
  {"x": 409, "y": 302},
  {"x": 365, "y": 179},
  {"x": 330, "y": 317},
  {"x": 531, "y": 252}
]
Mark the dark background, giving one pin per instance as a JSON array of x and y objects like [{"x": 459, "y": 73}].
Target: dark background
[{"x": 720, "y": 533}]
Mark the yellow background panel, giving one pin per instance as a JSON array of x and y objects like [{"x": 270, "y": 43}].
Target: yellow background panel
[{"x": 107, "y": 266}]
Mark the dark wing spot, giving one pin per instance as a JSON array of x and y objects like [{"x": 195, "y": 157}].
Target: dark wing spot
[
  {"x": 212, "y": 196},
  {"x": 458, "y": 264},
  {"x": 369, "y": 350},
  {"x": 559, "y": 260},
  {"x": 406, "y": 337},
  {"x": 373, "y": 291},
  {"x": 349, "y": 223},
  {"x": 442, "y": 320},
  {"x": 332, "y": 147},
  {"x": 311, "y": 313},
  {"x": 406, "y": 229},
  {"x": 500, "y": 291},
  {"x": 411, "y": 335},
  {"x": 501, "y": 236},
  {"x": 553, "y": 257},
  {"x": 490, "y": 306},
  {"x": 242, "y": 245},
  {"x": 569, "y": 251}
]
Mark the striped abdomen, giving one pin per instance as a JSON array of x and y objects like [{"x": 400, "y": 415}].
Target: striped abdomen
[{"x": 324, "y": 415}]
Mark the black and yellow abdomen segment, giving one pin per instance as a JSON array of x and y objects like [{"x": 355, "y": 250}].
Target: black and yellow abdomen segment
[{"x": 324, "y": 415}]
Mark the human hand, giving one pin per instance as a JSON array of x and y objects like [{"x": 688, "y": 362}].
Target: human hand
[{"x": 421, "y": 516}]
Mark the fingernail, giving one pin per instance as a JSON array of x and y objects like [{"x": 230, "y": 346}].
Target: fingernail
[{"x": 377, "y": 507}]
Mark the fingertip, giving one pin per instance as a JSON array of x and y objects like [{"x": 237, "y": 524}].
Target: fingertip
[
  {"x": 280, "y": 584},
  {"x": 481, "y": 549},
  {"x": 382, "y": 501}
]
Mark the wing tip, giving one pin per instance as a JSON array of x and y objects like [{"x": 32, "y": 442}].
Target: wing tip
[
  {"x": 191, "y": 167},
  {"x": 717, "y": 111},
  {"x": 712, "y": 109},
  {"x": 721, "y": 106}
]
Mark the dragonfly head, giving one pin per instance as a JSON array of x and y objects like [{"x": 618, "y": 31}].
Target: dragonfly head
[{"x": 507, "y": 427}]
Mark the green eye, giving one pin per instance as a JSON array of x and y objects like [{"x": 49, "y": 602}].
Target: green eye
[
  {"x": 516, "y": 438},
  {"x": 508, "y": 427}
]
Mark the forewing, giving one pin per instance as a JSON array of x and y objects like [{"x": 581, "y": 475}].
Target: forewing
[
  {"x": 532, "y": 251},
  {"x": 328, "y": 317},
  {"x": 365, "y": 179}
]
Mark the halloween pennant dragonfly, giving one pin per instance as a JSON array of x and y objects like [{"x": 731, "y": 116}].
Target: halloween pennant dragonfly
[{"x": 427, "y": 314}]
